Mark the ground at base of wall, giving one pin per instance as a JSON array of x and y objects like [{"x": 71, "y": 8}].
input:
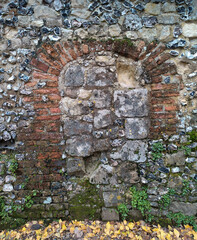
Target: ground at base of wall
[{"x": 98, "y": 230}]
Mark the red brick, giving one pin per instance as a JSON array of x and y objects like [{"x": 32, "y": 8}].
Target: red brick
[
  {"x": 163, "y": 115},
  {"x": 50, "y": 61},
  {"x": 64, "y": 58},
  {"x": 42, "y": 156},
  {"x": 46, "y": 91},
  {"x": 72, "y": 54},
  {"x": 55, "y": 110},
  {"x": 45, "y": 105},
  {"x": 43, "y": 76},
  {"x": 172, "y": 108},
  {"x": 54, "y": 71},
  {"x": 162, "y": 58},
  {"x": 54, "y": 97},
  {"x": 55, "y": 155},
  {"x": 52, "y": 84},
  {"x": 162, "y": 101},
  {"x": 41, "y": 111},
  {"x": 164, "y": 86},
  {"x": 47, "y": 117},
  {"x": 156, "y": 108},
  {"x": 39, "y": 65},
  {"x": 50, "y": 50},
  {"x": 85, "y": 48},
  {"x": 32, "y": 83},
  {"x": 27, "y": 99},
  {"x": 157, "y": 79}
]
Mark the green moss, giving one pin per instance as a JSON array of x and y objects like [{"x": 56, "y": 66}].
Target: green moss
[
  {"x": 87, "y": 204},
  {"x": 193, "y": 135},
  {"x": 124, "y": 41}
]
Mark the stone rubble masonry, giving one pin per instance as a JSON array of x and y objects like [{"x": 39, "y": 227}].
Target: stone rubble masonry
[{"x": 44, "y": 133}]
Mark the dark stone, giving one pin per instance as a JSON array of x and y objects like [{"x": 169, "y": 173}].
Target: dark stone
[
  {"x": 106, "y": 8},
  {"x": 164, "y": 170},
  {"x": 167, "y": 80},
  {"x": 176, "y": 43},
  {"x": 101, "y": 145},
  {"x": 86, "y": 24},
  {"x": 139, "y": 7},
  {"x": 93, "y": 6},
  {"x": 65, "y": 13},
  {"x": 128, "y": 173},
  {"x": 179, "y": 2},
  {"x": 23, "y": 77},
  {"x": 190, "y": 10},
  {"x": 13, "y": 5},
  {"x": 110, "y": 20},
  {"x": 193, "y": 49},
  {"x": 132, "y": 10},
  {"x": 22, "y": 3},
  {"x": 117, "y": 13},
  {"x": 181, "y": 10},
  {"x": 75, "y": 166},
  {"x": 36, "y": 227},
  {"x": 104, "y": 1},
  {"x": 127, "y": 4},
  {"x": 57, "y": 31},
  {"x": 174, "y": 53},
  {"x": 45, "y": 30},
  {"x": 149, "y": 22},
  {"x": 67, "y": 23}
]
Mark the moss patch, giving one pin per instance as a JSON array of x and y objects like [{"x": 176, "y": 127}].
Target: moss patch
[{"x": 87, "y": 204}]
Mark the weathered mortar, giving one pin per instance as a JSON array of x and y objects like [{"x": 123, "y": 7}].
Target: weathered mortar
[{"x": 77, "y": 102}]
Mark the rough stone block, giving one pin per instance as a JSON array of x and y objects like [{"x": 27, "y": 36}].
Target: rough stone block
[
  {"x": 74, "y": 127},
  {"x": 136, "y": 128},
  {"x": 111, "y": 199},
  {"x": 100, "y": 77},
  {"x": 101, "y": 175},
  {"x": 74, "y": 76},
  {"x": 134, "y": 151},
  {"x": 190, "y": 30},
  {"x": 109, "y": 214},
  {"x": 101, "y": 98},
  {"x": 189, "y": 209},
  {"x": 75, "y": 166},
  {"x": 79, "y": 146},
  {"x": 132, "y": 103},
  {"x": 102, "y": 119},
  {"x": 128, "y": 173},
  {"x": 175, "y": 159}
]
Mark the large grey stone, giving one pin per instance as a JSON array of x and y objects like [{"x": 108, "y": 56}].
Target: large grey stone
[
  {"x": 79, "y": 146},
  {"x": 132, "y": 22},
  {"x": 74, "y": 127},
  {"x": 128, "y": 173},
  {"x": 175, "y": 159},
  {"x": 134, "y": 151},
  {"x": 74, "y": 76},
  {"x": 132, "y": 103},
  {"x": 41, "y": 11},
  {"x": 101, "y": 175},
  {"x": 136, "y": 128},
  {"x": 100, "y": 77},
  {"x": 75, "y": 166},
  {"x": 190, "y": 30},
  {"x": 109, "y": 214},
  {"x": 7, "y": 187},
  {"x": 72, "y": 107},
  {"x": 111, "y": 199},
  {"x": 102, "y": 119},
  {"x": 101, "y": 98},
  {"x": 101, "y": 145},
  {"x": 189, "y": 209}
]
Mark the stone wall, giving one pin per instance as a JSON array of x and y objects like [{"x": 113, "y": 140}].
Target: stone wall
[{"x": 86, "y": 90}]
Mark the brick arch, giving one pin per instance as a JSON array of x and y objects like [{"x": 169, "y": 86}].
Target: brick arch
[{"x": 42, "y": 138}]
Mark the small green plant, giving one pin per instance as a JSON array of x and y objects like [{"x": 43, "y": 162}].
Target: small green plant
[
  {"x": 186, "y": 149},
  {"x": 123, "y": 210},
  {"x": 181, "y": 219},
  {"x": 193, "y": 136},
  {"x": 139, "y": 200},
  {"x": 186, "y": 188},
  {"x": 157, "y": 149},
  {"x": 165, "y": 200},
  {"x": 13, "y": 165}
]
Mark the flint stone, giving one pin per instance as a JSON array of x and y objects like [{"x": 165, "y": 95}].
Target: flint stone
[
  {"x": 176, "y": 43},
  {"x": 177, "y": 159},
  {"x": 132, "y": 22},
  {"x": 189, "y": 209},
  {"x": 7, "y": 188},
  {"x": 134, "y": 151},
  {"x": 79, "y": 146},
  {"x": 100, "y": 77},
  {"x": 101, "y": 175},
  {"x": 74, "y": 127},
  {"x": 128, "y": 173},
  {"x": 149, "y": 22},
  {"x": 136, "y": 128},
  {"x": 109, "y": 214},
  {"x": 74, "y": 76},
  {"x": 111, "y": 199},
  {"x": 48, "y": 200},
  {"x": 132, "y": 103},
  {"x": 75, "y": 166},
  {"x": 6, "y": 136},
  {"x": 2, "y": 127},
  {"x": 9, "y": 179},
  {"x": 57, "y": 5},
  {"x": 102, "y": 119}
]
